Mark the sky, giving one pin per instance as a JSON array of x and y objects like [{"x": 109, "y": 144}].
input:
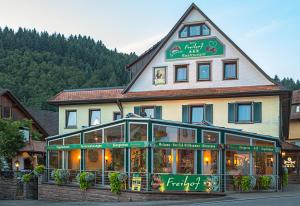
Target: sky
[{"x": 267, "y": 30}]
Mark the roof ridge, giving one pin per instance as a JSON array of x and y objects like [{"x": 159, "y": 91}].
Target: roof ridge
[{"x": 92, "y": 89}]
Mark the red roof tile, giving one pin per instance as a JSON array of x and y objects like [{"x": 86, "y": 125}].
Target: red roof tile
[{"x": 113, "y": 94}]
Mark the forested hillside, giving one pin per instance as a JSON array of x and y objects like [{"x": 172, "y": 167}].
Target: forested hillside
[{"x": 36, "y": 66}]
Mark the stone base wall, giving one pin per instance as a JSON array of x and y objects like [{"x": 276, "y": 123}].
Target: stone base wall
[
  {"x": 8, "y": 188},
  {"x": 50, "y": 191}
]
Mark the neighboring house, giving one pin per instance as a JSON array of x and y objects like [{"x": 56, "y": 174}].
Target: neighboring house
[
  {"x": 34, "y": 151},
  {"x": 195, "y": 73}
]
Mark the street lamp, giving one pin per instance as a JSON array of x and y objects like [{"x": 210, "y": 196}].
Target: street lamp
[{"x": 17, "y": 165}]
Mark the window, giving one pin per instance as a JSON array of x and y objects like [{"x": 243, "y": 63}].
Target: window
[
  {"x": 204, "y": 72},
  {"x": 72, "y": 140},
  {"x": 185, "y": 161},
  {"x": 71, "y": 119},
  {"x": 93, "y": 137},
  {"x": 181, "y": 73},
  {"x": 264, "y": 162},
  {"x": 93, "y": 160},
  {"x": 162, "y": 161},
  {"x": 210, "y": 162},
  {"x": 95, "y": 117},
  {"x": 25, "y": 132},
  {"x": 173, "y": 134},
  {"x": 298, "y": 108},
  {"x": 210, "y": 137},
  {"x": 55, "y": 159},
  {"x": 114, "y": 134},
  {"x": 148, "y": 112},
  {"x": 138, "y": 160},
  {"x": 117, "y": 115},
  {"x": 244, "y": 113},
  {"x": 114, "y": 160},
  {"x": 72, "y": 159},
  {"x": 197, "y": 114},
  {"x": 6, "y": 112},
  {"x": 138, "y": 132},
  {"x": 230, "y": 70},
  {"x": 194, "y": 30}
]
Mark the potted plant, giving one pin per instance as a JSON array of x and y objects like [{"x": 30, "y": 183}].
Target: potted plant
[{"x": 60, "y": 176}]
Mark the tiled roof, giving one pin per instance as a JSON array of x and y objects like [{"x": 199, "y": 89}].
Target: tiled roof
[
  {"x": 113, "y": 94},
  {"x": 34, "y": 146},
  {"x": 296, "y": 97},
  {"x": 289, "y": 146},
  {"x": 295, "y": 102}
]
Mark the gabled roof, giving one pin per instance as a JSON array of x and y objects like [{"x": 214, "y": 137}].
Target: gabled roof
[
  {"x": 139, "y": 65},
  {"x": 23, "y": 109}
]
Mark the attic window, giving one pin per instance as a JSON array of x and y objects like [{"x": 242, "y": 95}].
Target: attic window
[{"x": 194, "y": 30}]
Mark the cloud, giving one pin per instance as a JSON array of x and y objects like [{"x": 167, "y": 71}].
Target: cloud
[{"x": 141, "y": 46}]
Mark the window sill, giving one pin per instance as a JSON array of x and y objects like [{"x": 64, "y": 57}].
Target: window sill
[
  {"x": 230, "y": 78},
  {"x": 185, "y": 81},
  {"x": 74, "y": 127},
  {"x": 203, "y": 80}
]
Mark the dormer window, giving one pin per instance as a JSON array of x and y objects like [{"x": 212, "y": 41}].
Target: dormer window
[{"x": 194, "y": 30}]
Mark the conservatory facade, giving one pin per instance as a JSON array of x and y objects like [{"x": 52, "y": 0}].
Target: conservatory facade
[{"x": 167, "y": 155}]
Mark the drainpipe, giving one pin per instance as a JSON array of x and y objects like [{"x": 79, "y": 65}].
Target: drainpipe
[{"x": 120, "y": 107}]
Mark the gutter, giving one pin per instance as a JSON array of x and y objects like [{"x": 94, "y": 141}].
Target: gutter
[{"x": 119, "y": 104}]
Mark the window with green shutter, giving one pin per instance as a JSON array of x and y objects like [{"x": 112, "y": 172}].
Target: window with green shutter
[
  {"x": 197, "y": 113},
  {"x": 245, "y": 112},
  {"x": 149, "y": 111}
]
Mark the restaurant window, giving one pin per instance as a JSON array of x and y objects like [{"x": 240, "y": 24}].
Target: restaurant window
[
  {"x": 230, "y": 70},
  {"x": 197, "y": 114},
  {"x": 56, "y": 142},
  {"x": 245, "y": 112},
  {"x": 114, "y": 134},
  {"x": 162, "y": 161},
  {"x": 181, "y": 73},
  {"x": 210, "y": 137},
  {"x": 93, "y": 159},
  {"x": 72, "y": 159},
  {"x": 263, "y": 162},
  {"x": 237, "y": 162},
  {"x": 71, "y": 119},
  {"x": 55, "y": 159},
  {"x": 72, "y": 140},
  {"x": 6, "y": 112},
  {"x": 138, "y": 132},
  {"x": 204, "y": 72},
  {"x": 114, "y": 160},
  {"x": 94, "y": 117},
  {"x": 173, "y": 134},
  {"x": 185, "y": 161},
  {"x": 117, "y": 116},
  {"x": 194, "y": 30},
  {"x": 138, "y": 160},
  {"x": 93, "y": 137},
  {"x": 210, "y": 162}
]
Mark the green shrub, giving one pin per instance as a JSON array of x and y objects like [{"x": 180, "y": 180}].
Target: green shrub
[
  {"x": 26, "y": 178},
  {"x": 39, "y": 169},
  {"x": 246, "y": 183},
  {"x": 265, "y": 182},
  {"x": 285, "y": 178},
  {"x": 85, "y": 180},
  {"x": 60, "y": 176},
  {"x": 237, "y": 182},
  {"x": 115, "y": 183}
]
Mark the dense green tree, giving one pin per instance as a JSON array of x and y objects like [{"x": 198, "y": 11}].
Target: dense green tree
[
  {"x": 288, "y": 83},
  {"x": 35, "y": 66}
]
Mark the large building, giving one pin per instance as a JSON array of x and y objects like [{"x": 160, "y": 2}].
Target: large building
[{"x": 195, "y": 73}]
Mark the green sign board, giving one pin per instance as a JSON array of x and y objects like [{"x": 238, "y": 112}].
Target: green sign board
[
  {"x": 182, "y": 145},
  {"x": 196, "y": 48},
  {"x": 252, "y": 148},
  {"x": 199, "y": 183},
  {"x": 99, "y": 146}
]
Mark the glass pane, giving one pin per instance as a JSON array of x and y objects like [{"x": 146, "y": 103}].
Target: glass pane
[
  {"x": 117, "y": 116},
  {"x": 210, "y": 137},
  {"x": 165, "y": 133},
  {"x": 230, "y": 71},
  {"x": 114, "y": 160},
  {"x": 55, "y": 159},
  {"x": 162, "y": 160},
  {"x": 114, "y": 134},
  {"x": 210, "y": 162},
  {"x": 56, "y": 142},
  {"x": 181, "y": 74},
  {"x": 195, "y": 30},
  {"x": 244, "y": 113},
  {"x": 149, "y": 112},
  {"x": 72, "y": 140},
  {"x": 138, "y": 132},
  {"x": 93, "y": 159},
  {"x": 256, "y": 142},
  {"x": 205, "y": 30},
  {"x": 185, "y": 161},
  {"x": 184, "y": 32},
  {"x": 71, "y": 121},
  {"x": 237, "y": 163},
  {"x": 186, "y": 135},
  {"x": 93, "y": 137},
  {"x": 95, "y": 117},
  {"x": 197, "y": 114},
  {"x": 263, "y": 163},
  {"x": 73, "y": 159},
  {"x": 203, "y": 72},
  {"x": 234, "y": 139},
  {"x": 138, "y": 160}
]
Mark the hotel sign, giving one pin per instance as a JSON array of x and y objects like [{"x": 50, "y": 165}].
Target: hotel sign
[
  {"x": 194, "y": 49},
  {"x": 289, "y": 163},
  {"x": 199, "y": 183}
]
